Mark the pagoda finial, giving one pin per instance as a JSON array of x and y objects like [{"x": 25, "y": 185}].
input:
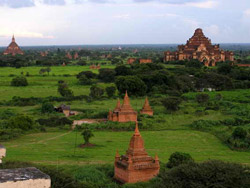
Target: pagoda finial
[
  {"x": 13, "y": 38},
  {"x": 117, "y": 154},
  {"x": 118, "y": 104},
  {"x": 156, "y": 157},
  {"x": 126, "y": 100},
  {"x": 137, "y": 132}
]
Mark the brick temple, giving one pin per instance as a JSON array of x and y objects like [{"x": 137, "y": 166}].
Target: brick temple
[
  {"x": 200, "y": 47},
  {"x": 147, "y": 108},
  {"x": 124, "y": 113},
  {"x": 136, "y": 165},
  {"x": 13, "y": 49}
]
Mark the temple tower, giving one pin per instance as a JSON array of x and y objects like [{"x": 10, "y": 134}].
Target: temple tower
[
  {"x": 124, "y": 113},
  {"x": 136, "y": 165},
  {"x": 147, "y": 108},
  {"x": 13, "y": 49}
]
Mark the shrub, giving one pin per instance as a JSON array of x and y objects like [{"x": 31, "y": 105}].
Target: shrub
[
  {"x": 202, "y": 98},
  {"x": 96, "y": 92},
  {"x": 64, "y": 90},
  {"x": 179, "y": 158},
  {"x": 171, "y": 103},
  {"x": 21, "y": 122},
  {"x": 110, "y": 91},
  {"x": 55, "y": 122},
  {"x": 207, "y": 174},
  {"x": 88, "y": 74},
  {"x": 47, "y": 108},
  {"x": 106, "y": 75},
  {"x": 87, "y": 134},
  {"x": 19, "y": 81},
  {"x": 239, "y": 133},
  {"x": 83, "y": 80}
]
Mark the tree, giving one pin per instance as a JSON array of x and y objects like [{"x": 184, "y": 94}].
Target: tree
[
  {"x": 19, "y": 81},
  {"x": 133, "y": 84},
  {"x": 106, "y": 75},
  {"x": 87, "y": 134},
  {"x": 123, "y": 70},
  {"x": 96, "y": 92},
  {"x": 88, "y": 74},
  {"x": 171, "y": 103},
  {"x": 83, "y": 80},
  {"x": 202, "y": 98},
  {"x": 178, "y": 158},
  {"x": 194, "y": 63},
  {"x": 110, "y": 91},
  {"x": 64, "y": 90},
  {"x": 47, "y": 108}
]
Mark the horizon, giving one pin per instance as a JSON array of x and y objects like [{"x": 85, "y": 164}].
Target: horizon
[{"x": 112, "y": 22}]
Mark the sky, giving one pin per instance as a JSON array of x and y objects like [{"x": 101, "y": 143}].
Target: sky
[{"x": 79, "y": 22}]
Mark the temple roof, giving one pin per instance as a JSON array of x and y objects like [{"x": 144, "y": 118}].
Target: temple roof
[
  {"x": 126, "y": 107},
  {"x": 146, "y": 105},
  {"x": 13, "y": 48}
]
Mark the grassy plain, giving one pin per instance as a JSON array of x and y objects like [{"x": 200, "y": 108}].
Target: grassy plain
[{"x": 59, "y": 147}]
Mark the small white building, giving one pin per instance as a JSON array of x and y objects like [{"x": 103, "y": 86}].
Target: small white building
[
  {"x": 2, "y": 153},
  {"x": 24, "y": 178}
]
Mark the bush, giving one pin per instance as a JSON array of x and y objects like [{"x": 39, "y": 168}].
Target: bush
[
  {"x": 21, "y": 122},
  {"x": 239, "y": 133},
  {"x": 179, "y": 158},
  {"x": 64, "y": 90},
  {"x": 106, "y": 75},
  {"x": 96, "y": 92},
  {"x": 215, "y": 174},
  {"x": 110, "y": 91},
  {"x": 88, "y": 74},
  {"x": 55, "y": 122},
  {"x": 83, "y": 80},
  {"x": 19, "y": 81},
  {"x": 47, "y": 108},
  {"x": 202, "y": 98},
  {"x": 171, "y": 103}
]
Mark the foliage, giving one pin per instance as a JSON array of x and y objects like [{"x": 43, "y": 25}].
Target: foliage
[
  {"x": 83, "y": 80},
  {"x": 106, "y": 75},
  {"x": 64, "y": 90},
  {"x": 110, "y": 91},
  {"x": 88, "y": 74},
  {"x": 206, "y": 174},
  {"x": 133, "y": 84},
  {"x": 22, "y": 122},
  {"x": 202, "y": 98},
  {"x": 55, "y": 121},
  {"x": 171, "y": 103},
  {"x": 47, "y": 108},
  {"x": 87, "y": 134},
  {"x": 96, "y": 92},
  {"x": 19, "y": 81},
  {"x": 239, "y": 133},
  {"x": 179, "y": 158},
  {"x": 194, "y": 63}
]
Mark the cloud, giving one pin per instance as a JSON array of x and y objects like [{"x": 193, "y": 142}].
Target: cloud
[
  {"x": 213, "y": 30},
  {"x": 122, "y": 16},
  {"x": 17, "y": 3},
  {"x": 247, "y": 12},
  {"x": 191, "y": 3},
  {"x": 54, "y": 2},
  {"x": 4, "y": 32}
]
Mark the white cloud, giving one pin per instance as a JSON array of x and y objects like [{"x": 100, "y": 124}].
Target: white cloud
[
  {"x": 205, "y": 4},
  {"x": 122, "y": 16},
  {"x": 247, "y": 12}
]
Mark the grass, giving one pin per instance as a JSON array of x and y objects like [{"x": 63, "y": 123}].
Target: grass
[{"x": 59, "y": 147}]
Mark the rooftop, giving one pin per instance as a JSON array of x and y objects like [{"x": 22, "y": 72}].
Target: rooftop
[{"x": 21, "y": 174}]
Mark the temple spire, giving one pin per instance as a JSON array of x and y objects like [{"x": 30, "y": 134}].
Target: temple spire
[
  {"x": 13, "y": 38},
  {"x": 137, "y": 132},
  {"x": 118, "y": 105}
]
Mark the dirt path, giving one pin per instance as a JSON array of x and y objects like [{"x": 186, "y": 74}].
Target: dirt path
[{"x": 43, "y": 141}]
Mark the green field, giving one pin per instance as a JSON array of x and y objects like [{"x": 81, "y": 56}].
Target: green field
[{"x": 59, "y": 147}]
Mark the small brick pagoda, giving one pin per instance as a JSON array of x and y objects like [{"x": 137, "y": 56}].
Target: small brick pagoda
[
  {"x": 136, "y": 165},
  {"x": 13, "y": 49},
  {"x": 200, "y": 47},
  {"x": 147, "y": 108},
  {"x": 124, "y": 113}
]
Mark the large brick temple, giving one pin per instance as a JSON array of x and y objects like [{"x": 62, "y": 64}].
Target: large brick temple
[
  {"x": 136, "y": 165},
  {"x": 200, "y": 47},
  {"x": 124, "y": 113},
  {"x": 13, "y": 49}
]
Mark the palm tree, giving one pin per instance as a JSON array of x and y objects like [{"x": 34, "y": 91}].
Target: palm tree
[{"x": 87, "y": 134}]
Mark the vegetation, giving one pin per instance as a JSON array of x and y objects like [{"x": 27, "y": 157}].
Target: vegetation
[{"x": 19, "y": 81}]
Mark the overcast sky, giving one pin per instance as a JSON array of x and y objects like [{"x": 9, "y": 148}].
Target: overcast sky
[{"x": 66, "y": 22}]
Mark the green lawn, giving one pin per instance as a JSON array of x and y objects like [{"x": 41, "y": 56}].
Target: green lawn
[{"x": 59, "y": 147}]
